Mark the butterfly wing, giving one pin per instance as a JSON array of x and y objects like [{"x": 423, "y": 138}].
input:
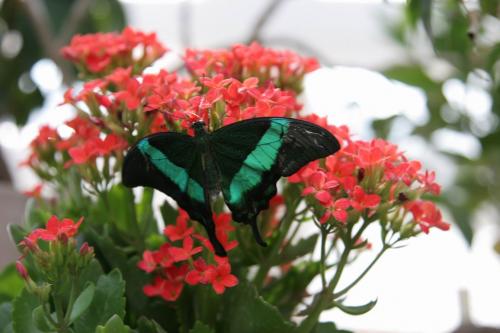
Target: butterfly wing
[
  {"x": 170, "y": 162},
  {"x": 253, "y": 154}
]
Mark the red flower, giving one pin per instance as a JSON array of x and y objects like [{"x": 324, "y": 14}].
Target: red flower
[
  {"x": 361, "y": 200},
  {"x": 180, "y": 230},
  {"x": 148, "y": 262},
  {"x": 427, "y": 215},
  {"x": 201, "y": 273},
  {"x": 163, "y": 257},
  {"x": 320, "y": 186},
  {"x": 186, "y": 252},
  {"x": 55, "y": 229},
  {"x": 337, "y": 209},
  {"x": 221, "y": 277},
  {"x": 35, "y": 192}
]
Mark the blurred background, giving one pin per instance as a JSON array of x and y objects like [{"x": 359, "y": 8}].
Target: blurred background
[{"x": 423, "y": 74}]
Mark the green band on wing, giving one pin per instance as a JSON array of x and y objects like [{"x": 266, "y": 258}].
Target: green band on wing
[
  {"x": 176, "y": 174},
  {"x": 260, "y": 160}
]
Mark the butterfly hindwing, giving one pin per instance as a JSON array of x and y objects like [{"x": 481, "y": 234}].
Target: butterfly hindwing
[
  {"x": 253, "y": 154},
  {"x": 170, "y": 163}
]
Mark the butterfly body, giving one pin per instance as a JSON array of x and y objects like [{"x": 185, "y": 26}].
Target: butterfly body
[{"x": 243, "y": 160}]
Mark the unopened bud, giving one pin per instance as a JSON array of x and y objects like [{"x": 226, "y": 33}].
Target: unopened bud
[
  {"x": 63, "y": 238},
  {"x": 86, "y": 249},
  {"x": 29, "y": 245},
  {"x": 402, "y": 197},
  {"x": 361, "y": 174},
  {"x": 21, "y": 269}
]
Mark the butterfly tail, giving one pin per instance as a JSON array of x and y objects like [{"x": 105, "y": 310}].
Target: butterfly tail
[
  {"x": 210, "y": 228},
  {"x": 256, "y": 232}
]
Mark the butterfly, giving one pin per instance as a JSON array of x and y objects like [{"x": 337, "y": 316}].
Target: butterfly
[{"x": 243, "y": 160}]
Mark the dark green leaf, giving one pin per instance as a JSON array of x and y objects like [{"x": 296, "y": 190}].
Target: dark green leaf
[
  {"x": 328, "y": 327},
  {"x": 356, "y": 310},
  {"x": 200, "y": 327},
  {"x": 246, "y": 312},
  {"x": 41, "y": 321},
  {"x": 113, "y": 325},
  {"x": 16, "y": 232},
  {"x": 145, "y": 325},
  {"x": 5, "y": 315},
  {"x": 168, "y": 213},
  {"x": 82, "y": 302},
  {"x": 291, "y": 252},
  {"x": 145, "y": 215},
  {"x": 108, "y": 300},
  {"x": 11, "y": 283},
  {"x": 22, "y": 319},
  {"x": 121, "y": 203}
]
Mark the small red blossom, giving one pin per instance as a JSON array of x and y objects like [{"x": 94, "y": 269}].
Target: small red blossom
[
  {"x": 35, "y": 192},
  {"x": 55, "y": 229},
  {"x": 201, "y": 273},
  {"x": 222, "y": 278},
  {"x": 362, "y": 200},
  {"x": 337, "y": 209},
  {"x": 21, "y": 269},
  {"x": 180, "y": 230},
  {"x": 427, "y": 215},
  {"x": 187, "y": 251},
  {"x": 148, "y": 262}
]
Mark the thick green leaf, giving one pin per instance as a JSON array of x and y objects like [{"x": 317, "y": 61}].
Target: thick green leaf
[
  {"x": 16, "y": 232},
  {"x": 328, "y": 327},
  {"x": 11, "y": 283},
  {"x": 356, "y": 310},
  {"x": 246, "y": 312},
  {"x": 288, "y": 291},
  {"x": 5, "y": 315},
  {"x": 113, "y": 325},
  {"x": 303, "y": 247},
  {"x": 200, "y": 327},
  {"x": 82, "y": 302},
  {"x": 41, "y": 321},
  {"x": 145, "y": 325},
  {"x": 108, "y": 300},
  {"x": 22, "y": 319},
  {"x": 121, "y": 203}
]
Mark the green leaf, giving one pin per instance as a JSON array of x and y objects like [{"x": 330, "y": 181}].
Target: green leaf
[
  {"x": 22, "y": 319},
  {"x": 145, "y": 215},
  {"x": 246, "y": 312},
  {"x": 41, "y": 321},
  {"x": 108, "y": 300},
  {"x": 11, "y": 283},
  {"x": 145, "y": 325},
  {"x": 121, "y": 203},
  {"x": 168, "y": 213},
  {"x": 5, "y": 315},
  {"x": 16, "y": 232},
  {"x": 200, "y": 327},
  {"x": 291, "y": 252},
  {"x": 113, "y": 325},
  {"x": 356, "y": 310},
  {"x": 328, "y": 327},
  {"x": 82, "y": 302}
]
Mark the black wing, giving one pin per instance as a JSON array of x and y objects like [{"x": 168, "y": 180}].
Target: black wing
[
  {"x": 253, "y": 154},
  {"x": 171, "y": 163}
]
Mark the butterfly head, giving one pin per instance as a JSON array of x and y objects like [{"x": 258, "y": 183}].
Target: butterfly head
[{"x": 198, "y": 127}]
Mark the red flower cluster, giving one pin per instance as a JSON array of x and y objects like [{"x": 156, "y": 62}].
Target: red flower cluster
[
  {"x": 174, "y": 265},
  {"x": 102, "y": 52},
  {"x": 285, "y": 69},
  {"x": 365, "y": 174}
]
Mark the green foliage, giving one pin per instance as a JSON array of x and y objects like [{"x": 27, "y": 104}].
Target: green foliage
[
  {"x": 356, "y": 310},
  {"x": 114, "y": 325},
  {"x": 108, "y": 300},
  {"x": 199, "y": 327},
  {"x": 82, "y": 302},
  {"x": 22, "y": 317},
  {"x": 11, "y": 283},
  {"x": 242, "y": 303},
  {"x": 5, "y": 315}
]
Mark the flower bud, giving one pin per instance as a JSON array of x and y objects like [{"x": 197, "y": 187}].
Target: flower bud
[
  {"x": 21, "y": 269},
  {"x": 29, "y": 245},
  {"x": 85, "y": 249}
]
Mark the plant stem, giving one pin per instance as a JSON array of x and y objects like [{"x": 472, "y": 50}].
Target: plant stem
[
  {"x": 323, "y": 257},
  {"x": 61, "y": 322},
  {"x": 71, "y": 301},
  {"x": 266, "y": 265},
  {"x": 352, "y": 284}
]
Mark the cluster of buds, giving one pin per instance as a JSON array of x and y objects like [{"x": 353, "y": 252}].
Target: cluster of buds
[
  {"x": 174, "y": 266},
  {"x": 55, "y": 255}
]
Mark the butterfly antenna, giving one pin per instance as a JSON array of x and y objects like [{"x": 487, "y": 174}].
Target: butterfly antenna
[{"x": 256, "y": 233}]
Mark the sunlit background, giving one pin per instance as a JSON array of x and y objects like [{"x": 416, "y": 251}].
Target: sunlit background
[{"x": 438, "y": 281}]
